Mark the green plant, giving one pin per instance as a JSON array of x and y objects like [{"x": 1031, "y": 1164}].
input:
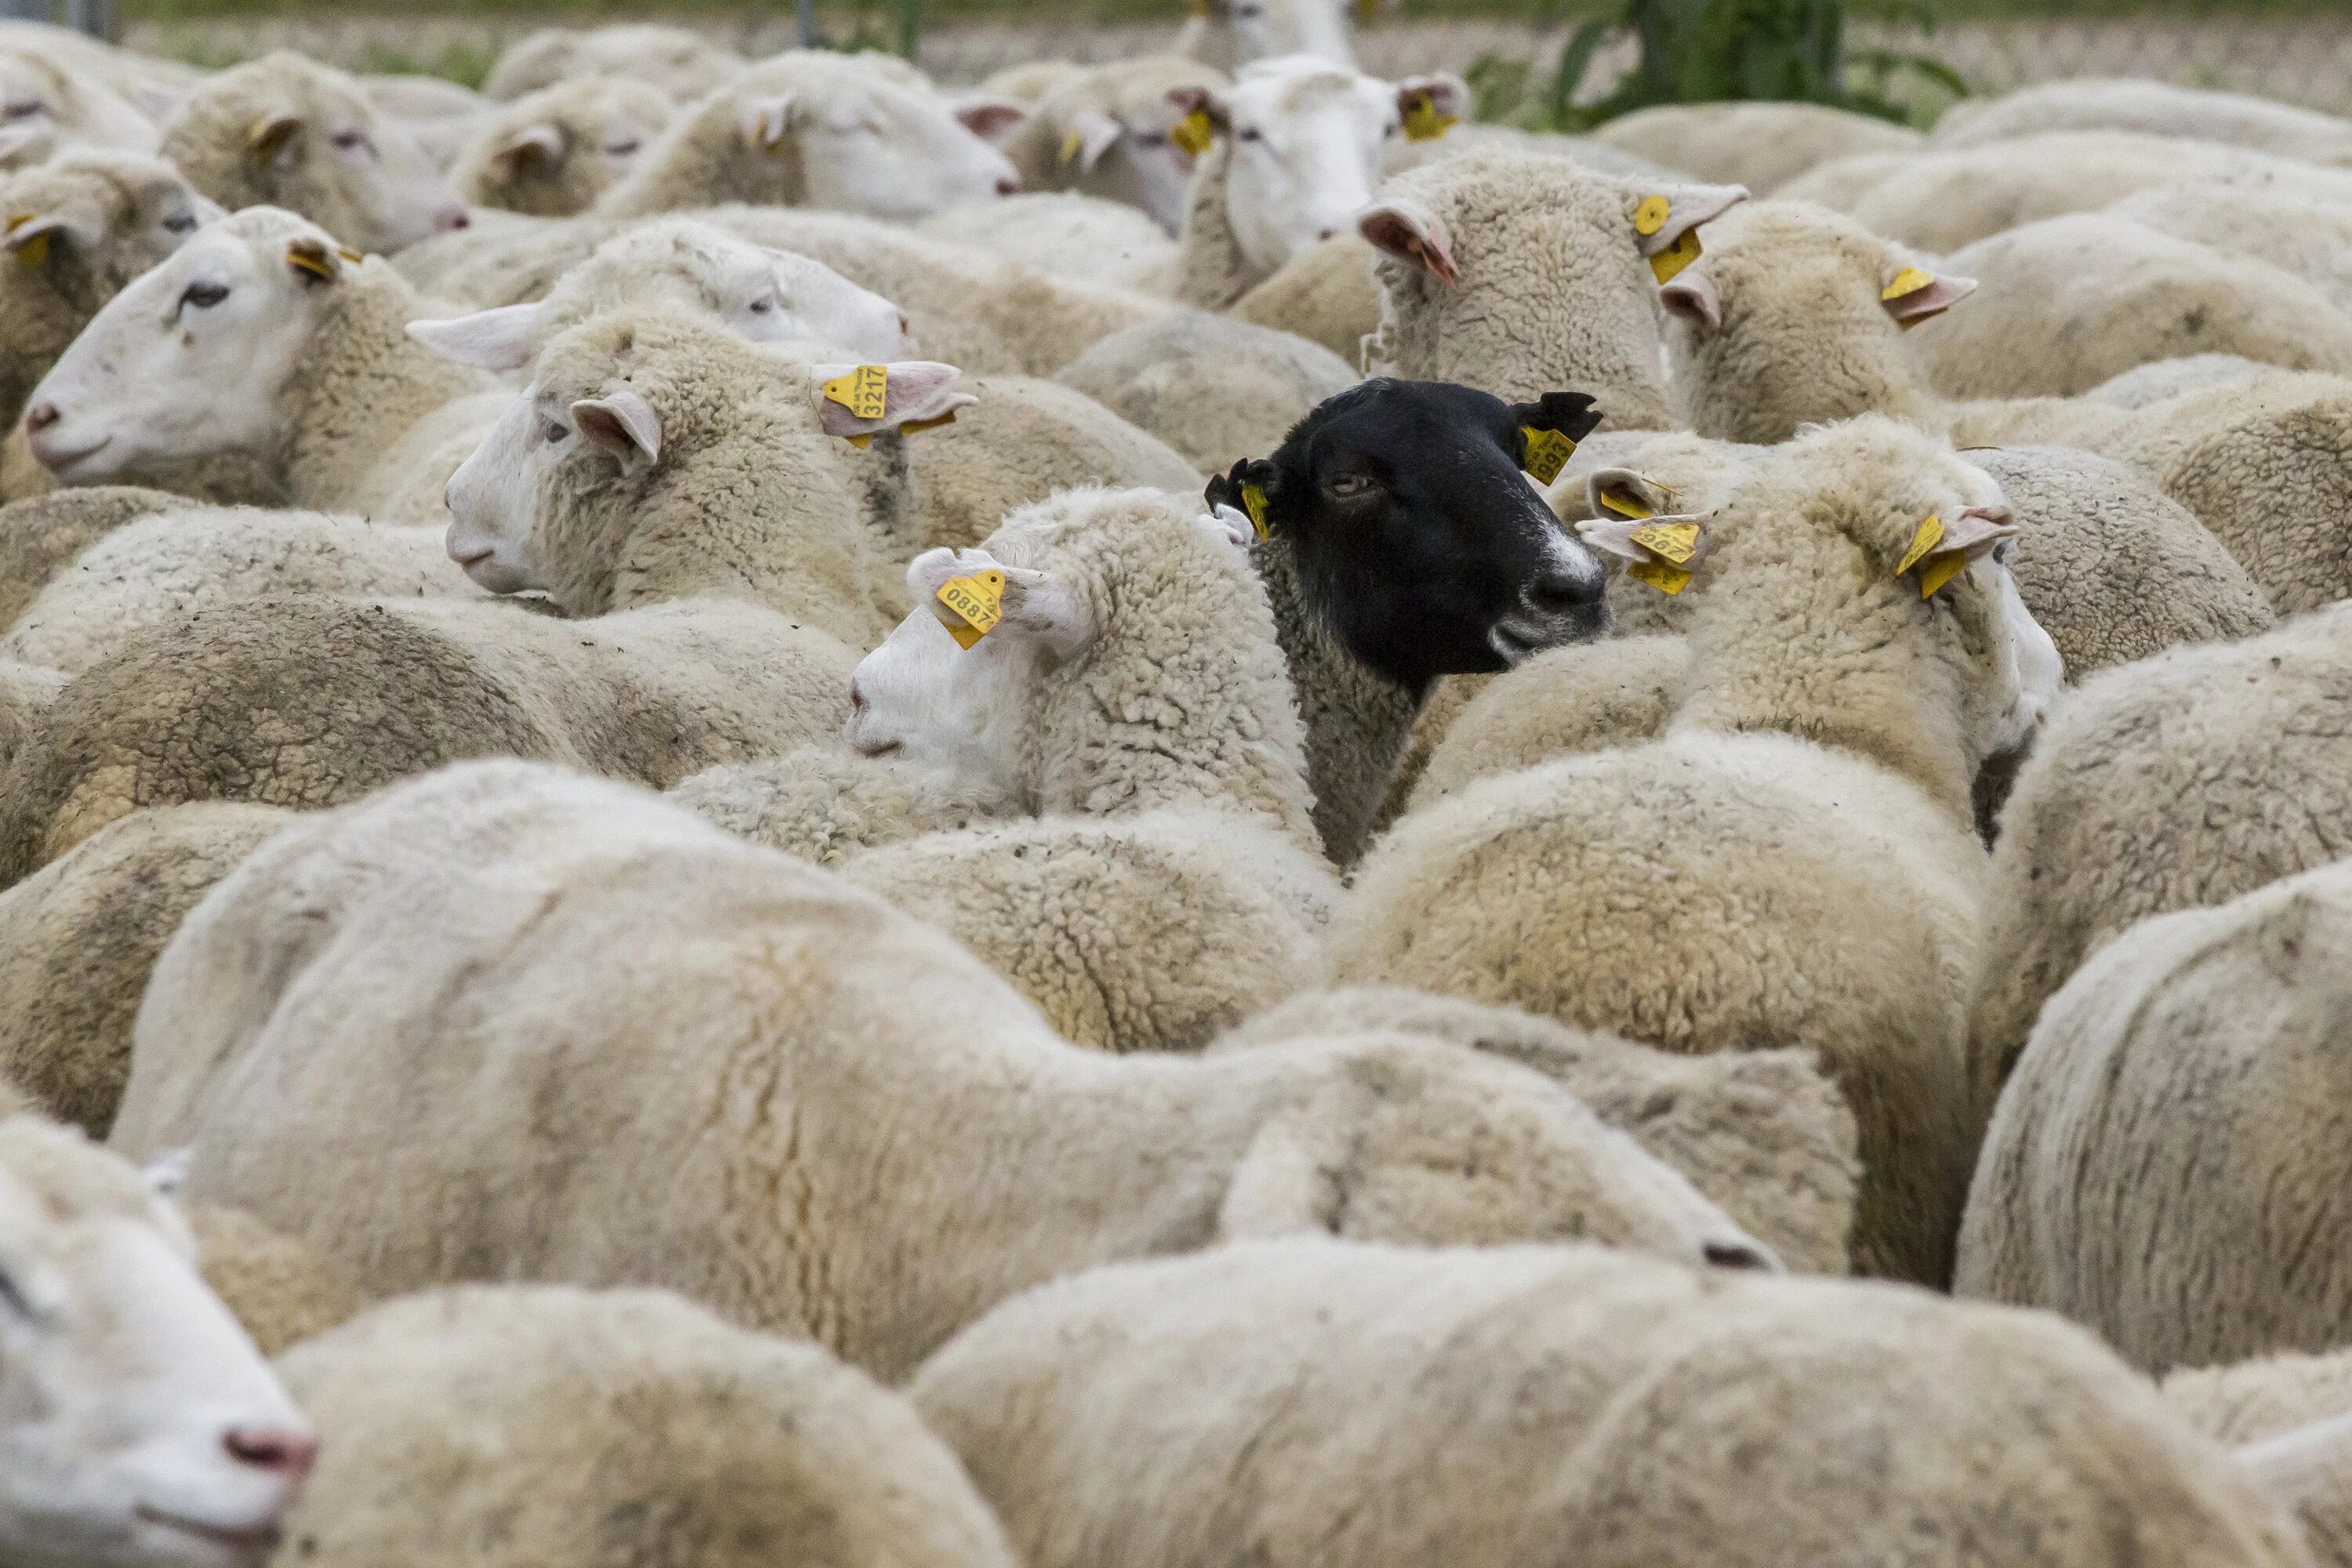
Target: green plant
[{"x": 1707, "y": 51}]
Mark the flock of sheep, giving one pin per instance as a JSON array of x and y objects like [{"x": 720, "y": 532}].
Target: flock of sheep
[{"x": 1170, "y": 813}]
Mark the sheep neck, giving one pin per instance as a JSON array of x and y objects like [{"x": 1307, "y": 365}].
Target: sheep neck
[
  {"x": 1210, "y": 271},
  {"x": 1358, "y": 721},
  {"x": 361, "y": 385},
  {"x": 1817, "y": 650}
]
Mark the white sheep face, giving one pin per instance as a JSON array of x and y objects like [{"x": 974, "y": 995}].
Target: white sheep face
[
  {"x": 35, "y": 93},
  {"x": 392, "y": 190},
  {"x": 891, "y": 150},
  {"x": 1133, "y": 157},
  {"x": 1264, "y": 29},
  {"x": 493, "y": 495},
  {"x": 764, "y": 296},
  {"x": 187, "y": 362},
  {"x": 139, "y": 1426},
  {"x": 1308, "y": 143}
]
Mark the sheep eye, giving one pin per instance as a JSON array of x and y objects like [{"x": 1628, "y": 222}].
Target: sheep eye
[
  {"x": 15, "y": 1299},
  {"x": 558, "y": 432},
  {"x": 763, "y": 304},
  {"x": 620, "y": 149},
  {"x": 2005, "y": 551},
  {"x": 203, "y": 296},
  {"x": 1350, "y": 487},
  {"x": 21, "y": 111},
  {"x": 354, "y": 141},
  {"x": 1389, "y": 129},
  {"x": 180, "y": 223},
  {"x": 1252, "y": 135},
  {"x": 1153, "y": 139}
]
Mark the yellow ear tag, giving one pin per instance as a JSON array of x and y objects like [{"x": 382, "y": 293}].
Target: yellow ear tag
[
  {"x": 1624, "y": 503},
  {"x": 864, "y": 392},
  {"x": 1676, "y": 542},
  {"x": 353, "y": 256},
  {"x": 1941, "y": 570},
  {"x": 1193, "y": 132},
  {"x": 33, "y": 254},
  {"x": 1668, "y": 263},
  {"x": 309, "y": 261},
  {"x": 1423, "y": 122},
  {"x": 1651, "y": 215},
  {"x": 1665, "y": 576},
  {"x": 913, "y": 426},
  {"x": 1072, "y": 145},
  {"x": 975, "y": 604},
  {"x": 1909, "y": 282},
  {"x": 1923, "y": 543},
  {"x": 1547, "y": 453},
  {"x": 1254, "y": 503}
]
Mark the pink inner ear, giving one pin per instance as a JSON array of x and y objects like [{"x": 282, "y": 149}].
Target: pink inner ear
[
  {"x": 1413, "y": 237},
  {"x": 1933, "y": 300},
  {"x": 991, "y": 121},
  {"x": 1693, "y": 297}
]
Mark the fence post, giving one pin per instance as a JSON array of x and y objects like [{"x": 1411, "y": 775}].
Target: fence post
[
  {"x": 805, "y": 11},
  {"x": 96, "y": 18},
  {"x": 28, "y": 10}
]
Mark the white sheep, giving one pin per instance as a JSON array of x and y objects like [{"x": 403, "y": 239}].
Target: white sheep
[
  {"x": 1215, "y": 389},
  {"x": 1759, "y": 145},
  {"x": 809, "y": 128},
  {"x": 1111, "y": 131},
  {"x": 1832, "y": 686},
  {"x": 1300, "y": 148},
  {"x": 684, "y": 264},
  {"x": 678, "y": 60},
  {"x": 41, "y": 535},
  {"x": 141, "y": 1428},
  {"x": 589, "y": 1425},
  {"x": 285, "y": 130},
  {"x": 153, "y": 569},
  {"x": 151, "y": 84},
  {"x": 1309, "y": 1401},
  {"x": 761, "y": 1027},
  {"x": 2287, "y": 1415},
  {"x": 1326, "y": 294},
  {"x": 78, "y": 229},
  {"x": 1619, "y": 693},
  {"x": 1517, "y": 273},
  {"x": 280, "y": 1291},
  {"x": 554, "y": 152},
  {"x": 1159, "y": 878},
  {"x": 261, "y": 342},
  {"x": 2069, "y": 301},
  {"x": 443, "y": 116},
  {"x": 1765, "y": 1134},
  {"x": 2185, "y": 780},
  {"x": 2155, "y": 107},
  {"x": 1943, "y": 198},
  {"x": 2164, "y": 1165},
  {"x": 47, "y": 107}
]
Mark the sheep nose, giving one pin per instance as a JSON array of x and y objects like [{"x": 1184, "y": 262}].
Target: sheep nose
[
  {"x": 453, "y": 218},
  {"x": 281, "y": 1453},
  {"x": 857, "y": 696},
  {"x": 41, "y": 415},
  {"x": 1560, "y": 592},
  {"x": 904, "y": 325},
  {"x": 1325, "y": 233},
  {"x": 1008, "y": 186}
]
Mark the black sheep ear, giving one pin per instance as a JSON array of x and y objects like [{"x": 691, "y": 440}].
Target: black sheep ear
[
  {"x": 1549, "y": 430},
  {"x": 1248, "y": 489}
]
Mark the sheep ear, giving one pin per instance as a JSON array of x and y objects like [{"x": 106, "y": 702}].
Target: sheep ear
[
  {"x": 1693, "y": 297},
  {"x": 993, "y": 120},
  {"x": 499, "y": 339},
  {"x": 624, "y": 424},
  {"x": 1432, "y": 104},
  {"x": 1229, "y": 524},
  {"x": 1666, "y": 222},
  {"x": 1680, "y": 540},
  {"x": 32, "y": 238},
  {"x": 1248, "y": 489},
  {"x": 1916, "y": 294},
  {"x": 274, "y": 139},
  {"x": 1411, "y": 233},
  {"x": 766, "y": 122},
  {"x": 1623, "y": 494},
  {"x": 1090, "y": 136},
  {"x": 1044, "y": 609},
  {"x": 1205, "y": 102},
  {"x": 854, "y": 401},
  {"x": 975, "y": 596},
  {"x": 532, "y": 144},
  {"x": 315, "y": 259},
  {"x": 1942, "y": 548}
]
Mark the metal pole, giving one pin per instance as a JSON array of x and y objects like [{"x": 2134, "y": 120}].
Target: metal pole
[
  {"x": 807, "y": 13},
  {"x": 28, "y": 10}
]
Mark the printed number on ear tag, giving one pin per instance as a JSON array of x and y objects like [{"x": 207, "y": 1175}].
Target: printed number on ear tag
[
  {"x": 1193, "y": 132},
  {"x": 1676, "y": 542},
  {"x": 1254, "y": 503},
  {"x": 864, "y": 392},
  {"x": 1547, "y": 453},
  {"x": 1423, "y": 122},
  {"x": 1668, "y": 264},
  {"x": 973, "y": 605}
]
